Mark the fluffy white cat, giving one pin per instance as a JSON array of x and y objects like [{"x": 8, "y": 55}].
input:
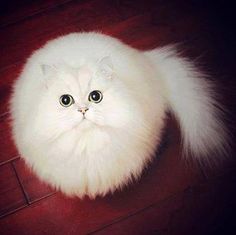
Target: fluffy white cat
[{"x": 88, "y": 111}]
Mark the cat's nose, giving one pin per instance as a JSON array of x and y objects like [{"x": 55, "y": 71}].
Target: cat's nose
[{"x": 83, "y": 110}]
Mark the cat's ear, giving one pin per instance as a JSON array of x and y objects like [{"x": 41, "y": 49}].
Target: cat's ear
[
  {"x": 106, "y": 66},
  {"x": 48, "y": 70}
]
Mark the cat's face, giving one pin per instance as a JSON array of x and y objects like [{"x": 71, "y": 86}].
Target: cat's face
[{"x": 83, "y": 98}]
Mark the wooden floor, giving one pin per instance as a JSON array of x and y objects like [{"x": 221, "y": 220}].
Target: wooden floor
[{"x": 173, "y": 196}]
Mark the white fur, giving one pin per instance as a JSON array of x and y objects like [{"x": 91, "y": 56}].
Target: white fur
[
  {"x": 119, "y": 135},
  {"x": 192, "y": 99}
]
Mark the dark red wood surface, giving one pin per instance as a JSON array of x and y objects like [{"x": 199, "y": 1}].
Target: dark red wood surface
[{"x": 173, "y": 196}]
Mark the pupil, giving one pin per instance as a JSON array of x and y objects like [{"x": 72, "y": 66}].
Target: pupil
[
  {"x": 95, "y": 96},
  {"x": 66, "y": 99}
]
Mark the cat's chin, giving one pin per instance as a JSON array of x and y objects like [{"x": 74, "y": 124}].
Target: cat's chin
[{"x": 86, "y": 124}]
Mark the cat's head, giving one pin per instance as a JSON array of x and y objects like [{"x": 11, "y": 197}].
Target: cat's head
[{"x": 87, "y": 97}]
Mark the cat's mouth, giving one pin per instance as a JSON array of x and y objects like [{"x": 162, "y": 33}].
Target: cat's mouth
[{"x": 84, "y": 120}]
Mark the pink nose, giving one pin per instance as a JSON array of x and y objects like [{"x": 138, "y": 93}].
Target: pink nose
[{"x": 83, "y": 110}]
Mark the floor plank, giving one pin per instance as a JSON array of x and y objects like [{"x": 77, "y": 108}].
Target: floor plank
[
  {"x": 12, "y": 12},
  {"x": 34, "y": 32},
  {"x": 11, "y": 196},
  {"x": 8, "y": 149},
  {"x": 193, "y": 210},
  {"x": 34, "y": 189}
]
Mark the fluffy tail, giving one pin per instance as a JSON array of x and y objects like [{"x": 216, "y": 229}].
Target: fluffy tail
[{"x": 192, "y": 99}]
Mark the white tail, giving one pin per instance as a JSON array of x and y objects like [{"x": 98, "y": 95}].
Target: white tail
[{"x": 192, "y": 99}]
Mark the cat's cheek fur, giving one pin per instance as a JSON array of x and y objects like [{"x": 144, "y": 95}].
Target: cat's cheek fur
[{"x": 95, "y": 117}]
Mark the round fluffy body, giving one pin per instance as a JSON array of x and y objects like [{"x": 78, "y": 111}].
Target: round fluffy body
[{"x": 103, "y": 149}]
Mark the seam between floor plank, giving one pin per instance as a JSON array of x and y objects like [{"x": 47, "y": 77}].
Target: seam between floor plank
[
  {"x": 21, "y": 185},
  {"x": 25, "y": 206},
  {"x": 13, "y": 211},
  {"x": 10, "y": 160}
]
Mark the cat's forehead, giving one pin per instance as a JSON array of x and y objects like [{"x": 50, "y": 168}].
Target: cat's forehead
[
  {"x": 80, "y": 81},
  {"x": 84, "y": 76},
  {"x": 76, "y": 80}
]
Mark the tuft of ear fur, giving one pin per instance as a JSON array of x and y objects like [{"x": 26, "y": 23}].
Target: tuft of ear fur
[
  {"x": 192, "y": 99},
  {"x": 106, "y": 66}
]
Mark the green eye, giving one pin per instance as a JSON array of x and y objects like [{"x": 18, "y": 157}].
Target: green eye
[
  {"x": 66, "y": 100},
  {"x": 95, "y": 96}
]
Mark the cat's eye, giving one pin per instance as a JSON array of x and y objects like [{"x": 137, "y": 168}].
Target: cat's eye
[
  {"x": 95, "y": 96},
  {"x": 66, "y": 100}
]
